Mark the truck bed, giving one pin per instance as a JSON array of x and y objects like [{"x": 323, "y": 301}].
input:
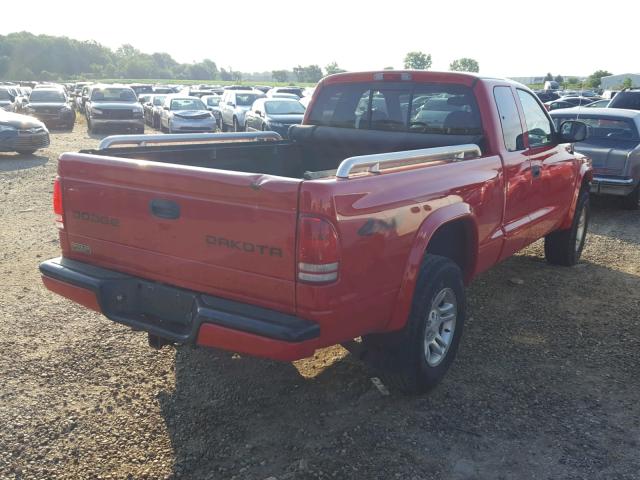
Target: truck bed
[{"x": 312, "y": 152}]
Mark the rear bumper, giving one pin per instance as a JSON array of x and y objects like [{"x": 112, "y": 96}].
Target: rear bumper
[
  {"x": 612, "y": 185},
  {"x": 182, "y": 316}
]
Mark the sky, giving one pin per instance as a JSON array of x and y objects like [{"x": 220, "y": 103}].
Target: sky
[{"x": 507, "y": 38}]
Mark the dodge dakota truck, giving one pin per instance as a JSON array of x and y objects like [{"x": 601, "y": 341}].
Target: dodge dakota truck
[{"x": 396, "y": 191}]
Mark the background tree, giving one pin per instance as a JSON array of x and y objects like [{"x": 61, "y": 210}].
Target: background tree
[
  {"x": 559, "y": 78},
  {"x": 548, "y": 77},
  {"x": 594, "y": 79},
  {"x": 333, "y": 68},
  {"x": 310, "y": 73},
  {"x": 464, "y": 65},
  {"x": 388, "y": 68},
  {"x": 628, "y": 83},
  {"x": 417, "y": 61},
  {"x": 573, "y": 80},
  {"x": 280, "y": 75}
]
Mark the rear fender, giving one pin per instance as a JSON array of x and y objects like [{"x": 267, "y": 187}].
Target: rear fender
[{"x": 425, "y": 233}]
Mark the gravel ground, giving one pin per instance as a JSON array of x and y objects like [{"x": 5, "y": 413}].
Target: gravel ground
[{"x": 545, "y": 385}]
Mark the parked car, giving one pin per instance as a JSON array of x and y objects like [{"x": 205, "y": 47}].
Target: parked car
[
  {"x": 153, "y": 110},
  {"x": 609, "y": 94},
  {"x": 290, "y": 96},
  {"x": 7, "y": 100},
  {"x": 21, "y": 133},
  {"x": 278, "y": 248},
  {"x": 182, "y": 114},
  {"x": 234, "y": 105},
  {"x": 160, "y": 89},
  {"x": 297, "y": 91},
  {"x": 613, "y": 145},
  {"x": 568, "y": 102},
  {"x": 51, "y": 106},
  {"x": 627, "y": 98},
  {"x": 551, "y": 85},
  {"x": 81, "y": 100},
  {"x": 604, "y": 103},
  {"x": 141, "y": 88},
  {"x": 213, "y": 105},
  {"x": 547, "y": 95},
  {"x": 276, "y": 115},
  {"x": 114, "y": 107},
  {"x": 144, "y": 98},
  {"x": 263, "y": 88}
]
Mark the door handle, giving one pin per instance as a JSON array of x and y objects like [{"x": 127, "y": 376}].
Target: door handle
[
  {"x": 166, "y": 209},
  {"x": 536, "y": 170}
]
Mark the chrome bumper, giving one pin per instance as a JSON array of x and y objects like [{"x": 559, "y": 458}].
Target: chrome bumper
[{"x": 612, "y": 186}]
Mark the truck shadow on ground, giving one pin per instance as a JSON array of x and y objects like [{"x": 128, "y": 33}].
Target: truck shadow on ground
[
  {"x": 10, "y": 162},
  {"x": 523, "y": 398}
]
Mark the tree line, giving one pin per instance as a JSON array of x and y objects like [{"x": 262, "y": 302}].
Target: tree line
[{"x": 25, "y": 56}]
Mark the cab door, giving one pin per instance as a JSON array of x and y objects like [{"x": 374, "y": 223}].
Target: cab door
[
  {"x": 517, "y": 172},
  {"x": 553, "y": 168}
]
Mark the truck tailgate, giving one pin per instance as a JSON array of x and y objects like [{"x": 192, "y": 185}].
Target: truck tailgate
[{"x": 229, "y": 234}]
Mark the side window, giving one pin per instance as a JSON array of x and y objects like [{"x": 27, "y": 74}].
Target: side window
[
  {"x": 538, "y": 124},
  {"x": 509, "y": 119}
]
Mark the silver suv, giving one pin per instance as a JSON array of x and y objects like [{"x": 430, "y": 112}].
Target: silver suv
[
  {"x": 113, "y": 106},
  {"x": 234, "y": 105}
]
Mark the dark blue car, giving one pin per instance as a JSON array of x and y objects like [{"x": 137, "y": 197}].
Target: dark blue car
[
  {"x": 22, "y": 134},
  {"x": 274, "y": 114}
]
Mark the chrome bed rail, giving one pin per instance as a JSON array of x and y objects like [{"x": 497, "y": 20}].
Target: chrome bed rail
[
  {"x": 380, "y": 161},
  {"x": 143, "y": 140}
]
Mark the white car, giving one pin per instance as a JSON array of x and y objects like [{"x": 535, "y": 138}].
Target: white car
[
  {"x": 184, "y": 114},
  {"x": 234, "y": 105}
]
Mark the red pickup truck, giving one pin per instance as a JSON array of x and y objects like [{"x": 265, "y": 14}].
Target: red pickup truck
[{"x": 396, "y": 191}]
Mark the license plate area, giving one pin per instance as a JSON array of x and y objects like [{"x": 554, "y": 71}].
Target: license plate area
[{"x": 150, "y": 303}]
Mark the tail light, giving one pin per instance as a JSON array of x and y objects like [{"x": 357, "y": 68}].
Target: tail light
[
  {"x": 318, "y": 256},
  {"x": 57, "y": 204}
]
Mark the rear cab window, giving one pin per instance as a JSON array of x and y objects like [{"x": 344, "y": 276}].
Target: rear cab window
[
  {"x": 449, "y": 109},
  {"x": 509, "y": 119}
]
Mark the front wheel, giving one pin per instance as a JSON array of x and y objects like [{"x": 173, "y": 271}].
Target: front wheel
[
  {"x": 415, "y": 359},
  {"x": 564, "y": 247}
]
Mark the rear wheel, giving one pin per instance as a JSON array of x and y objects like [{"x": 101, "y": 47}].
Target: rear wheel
[
  {"x": 632, "y": 201},
  {"x": 415, "y": 359},
  {"x": 564, "y": 247}
]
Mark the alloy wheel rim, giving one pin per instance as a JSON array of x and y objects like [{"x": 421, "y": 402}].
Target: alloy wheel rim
[{"x": 440, "y": 327}]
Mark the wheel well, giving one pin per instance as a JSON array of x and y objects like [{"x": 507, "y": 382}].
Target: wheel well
[{"x": 455, "y": 240}]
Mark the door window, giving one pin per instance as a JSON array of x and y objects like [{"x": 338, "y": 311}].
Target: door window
[{"x": 539, "y": 127}]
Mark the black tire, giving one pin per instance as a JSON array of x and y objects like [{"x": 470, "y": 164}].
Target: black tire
[
  {"x": 400, "y": 358},
  {"x": 564, "y": 247},
  {"x": 632, "y": 201},
  {"x": 236, "y": 127},
  {"x": 26, "y": 152}
]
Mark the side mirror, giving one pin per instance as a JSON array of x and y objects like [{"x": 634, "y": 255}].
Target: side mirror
[
  {"x": 573, "y": 131},
  {"x": 25, "y": 100},
  {"x": 231, "y": 104},
  {"x": 259, "y": 113},
  {"x": 165, "y": 108}
]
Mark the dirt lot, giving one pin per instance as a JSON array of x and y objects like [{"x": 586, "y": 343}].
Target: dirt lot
[{"x": 545, "y": 386}]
